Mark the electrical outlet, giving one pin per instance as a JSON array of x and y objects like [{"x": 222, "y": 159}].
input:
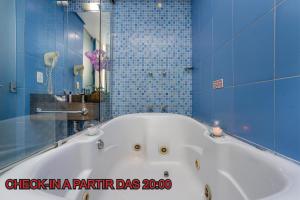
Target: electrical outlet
[
  {"x": 40, "y": 77},
  {"x": 218, "y": 84}
]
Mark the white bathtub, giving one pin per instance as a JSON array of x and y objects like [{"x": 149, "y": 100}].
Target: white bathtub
[{"x": 232, "y": 169}]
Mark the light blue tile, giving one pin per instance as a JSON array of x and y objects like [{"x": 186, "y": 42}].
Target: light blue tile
[
  {"x": 7, "y": 104},
  {"x": 287, "y": 114},
  {"x": 202, "y": 29},
  {"x": 279, "y": 1},
  {"x": 253, "y": 52},
  {"x": 222, "y": 23},
  {"x": 222, "y": 109},
  {"x": 288, "y": 39},
  {"x": 20, "y": 73},
  {"x": 20, "y": 10},
  {"x": 246, "y": 12},
  {"x": 20, "y": 36},
  {"x": 196, "y": 78},
  {"x": 205, "y": 72},
  {"x": 202, "y": 12},
  {"x": 202, "y": 106},
  {"x": 223, "y": 65},
  {"x": 254, "y": 113},
  {"x": 205, "y": 41}
]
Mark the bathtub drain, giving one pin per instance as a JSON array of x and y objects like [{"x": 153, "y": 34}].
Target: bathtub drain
[
  {"x": 163, "y": 150},
  {"x": 137, "y": 147}
]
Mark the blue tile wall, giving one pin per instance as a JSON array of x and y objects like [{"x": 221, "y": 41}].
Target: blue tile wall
[
  {"x": 288, "y": 47},
  {"x": 148, "y": 40},
  {"x": 53, "y": 30},
  {"x": 42, "y": 26},
  {"x": 256, "y": 51},
  {"x": 253, "y": 52},
  {"x": 7, "y": 59},
  {"x": 287, "y": 117}
]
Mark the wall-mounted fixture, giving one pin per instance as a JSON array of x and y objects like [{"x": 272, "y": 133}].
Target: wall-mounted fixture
[
  {"x": 188, "y": 69},
  {"x": 64, "y": 3},
  {"x": 164, "y": 108},
  {"x": 91, "y": 7},
  {"x": 13, "y": 87},
  {"x": 149, "y": 108},
  {"x": 50, "y": 61},
  {"x": 159, "y": 4},
  {"x": 78, "y": 70},
  {"x": 150, "y": 74}
]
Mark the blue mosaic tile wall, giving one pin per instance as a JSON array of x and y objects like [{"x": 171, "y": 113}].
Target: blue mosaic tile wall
[
  {"x": 151, "y": 49},
  {"x": 76, "y": 5}
]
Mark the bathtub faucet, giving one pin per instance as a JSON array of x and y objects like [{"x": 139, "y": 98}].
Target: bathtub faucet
[
  {"x": 149, "y": 108},
  {"x": 164, "y": 109}
]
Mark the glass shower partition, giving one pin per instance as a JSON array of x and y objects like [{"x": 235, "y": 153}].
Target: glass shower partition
[{"x": 49, "y": 87}]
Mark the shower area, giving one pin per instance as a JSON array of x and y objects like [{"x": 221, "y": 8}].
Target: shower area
[{"x": 73, "y": 64}]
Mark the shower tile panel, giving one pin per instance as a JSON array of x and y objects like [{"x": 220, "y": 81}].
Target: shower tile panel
[{"x": 151, "y": 49}]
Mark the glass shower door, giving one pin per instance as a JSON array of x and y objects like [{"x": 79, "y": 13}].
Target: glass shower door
[
  {"x": 49, "y": 87},
  {"x": 8, "y": 93}
]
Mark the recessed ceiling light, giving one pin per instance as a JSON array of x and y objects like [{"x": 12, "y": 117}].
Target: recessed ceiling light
[{"x": 91, "y": 7}]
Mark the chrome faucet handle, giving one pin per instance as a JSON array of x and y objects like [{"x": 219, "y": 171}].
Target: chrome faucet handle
[
  {"x": 84, "y": 111},
  {"x": 149, "y": 108}
]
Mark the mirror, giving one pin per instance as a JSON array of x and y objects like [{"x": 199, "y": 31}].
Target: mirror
[{"x": 96, "y": 51}]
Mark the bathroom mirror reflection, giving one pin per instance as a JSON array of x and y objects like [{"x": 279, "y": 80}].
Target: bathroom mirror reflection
[{"x": 96, "y": 52}]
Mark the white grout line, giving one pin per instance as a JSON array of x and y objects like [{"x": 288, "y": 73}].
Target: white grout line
[
  {"x": 288, "y": 77},
  {"x": 253, "y": 23},
  {"x": 279, "y": 4},
  {"x": 274, "y": 75}
]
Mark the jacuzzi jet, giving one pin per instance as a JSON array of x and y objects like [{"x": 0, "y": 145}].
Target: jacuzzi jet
[
  {"x": 137, "y": 147},
  {"x": 100, "y": 144},
  {"x": 86, "y": 196},
  {"x": 197, "y": 164},
  {"x": 207, "y": 193},
  {"x": 166, "y": 174},
  {"x": 163, "y": 150}
]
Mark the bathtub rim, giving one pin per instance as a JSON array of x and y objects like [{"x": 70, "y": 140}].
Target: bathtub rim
[
  {"x": 106, "y": 123},
  {"x": 77, "y": 138}
]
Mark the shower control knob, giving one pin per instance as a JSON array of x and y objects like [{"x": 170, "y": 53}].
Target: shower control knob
[{"x": 164, "y": 109}]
